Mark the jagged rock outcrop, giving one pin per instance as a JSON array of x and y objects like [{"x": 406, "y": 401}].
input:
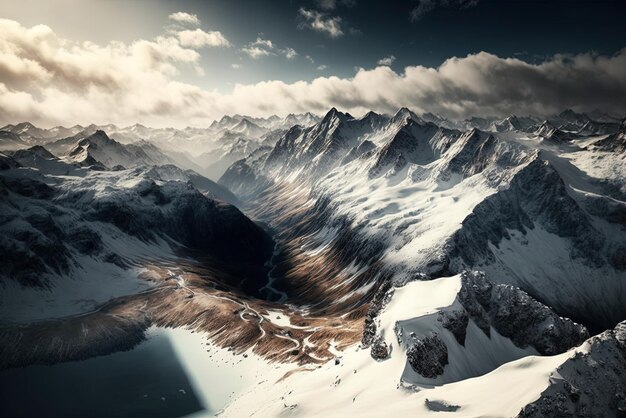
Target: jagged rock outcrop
[
  {"x": 516, "y": 315},
  {"x": 409, "y": 145},
  {"x": 32, "y": 241},
  {"x": 362, "y": 149},
  {"x": 380, "y": 350},
  {"x": 592, "y": 383},
  {"x": 613, "y": 143},
  {"x": 428, "y": 355},
  {"x": 378, "y": 302},
  {"x": 456, "y": 322},
  {"x": 511, "y": 123},
  {"x": 550, "y": 133},
  {"x": 473, "y": 152}
]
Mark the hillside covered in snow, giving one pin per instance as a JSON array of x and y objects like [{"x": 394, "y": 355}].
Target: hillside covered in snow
[{"x": 384, "y": 264}]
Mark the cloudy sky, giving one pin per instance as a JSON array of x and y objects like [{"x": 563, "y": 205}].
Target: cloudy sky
[{"x": 179, "y": 63}]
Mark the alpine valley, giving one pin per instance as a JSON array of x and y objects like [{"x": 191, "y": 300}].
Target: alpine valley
[{"x": 323, "y": 266}]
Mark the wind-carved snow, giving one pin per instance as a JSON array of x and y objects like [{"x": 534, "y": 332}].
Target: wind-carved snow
[
  {"x": 409, "y": 314},
  {"x": 356, "y": 385}
]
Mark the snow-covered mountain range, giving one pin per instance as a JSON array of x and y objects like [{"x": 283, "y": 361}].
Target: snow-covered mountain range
[
  {"x": 207, "y": 150},
  {"x": 404, "y": 264}
]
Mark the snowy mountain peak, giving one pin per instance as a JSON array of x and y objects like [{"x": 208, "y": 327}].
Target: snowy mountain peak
[
  {"x": 227, "y": 119},
  {"x": 615, "y": 143},
  {"x": 40, "y": 151},
  {"x": 98, "y": 137},
  {"x": 371, "y": 114},
  {"x": 333, "y": 114},
  {"x": 23, "y": 126},
  {"x": 569, "y": 114},
  {"x": 571, "y": 118},
  {"x": 410, "y": 145},
  {"x": 404, "y": 114},
  {"x": 549, "y": 132},
  {"x": 373, "y": 120},
  {"x": 99, "y": 147},
  {"x": 472, "y": 134},
  {"x": 510, "y": 123},
  {"x": 545, "y": 127},
  {"x": 246, "y": 122}
]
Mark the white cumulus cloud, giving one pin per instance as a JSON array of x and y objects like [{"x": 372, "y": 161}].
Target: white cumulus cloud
[
  {"x": 387, "y": 60},
  {"x": 185, "y": 18},
  {"x": 198, "y": 38},
  {"x": 320, "y": 22},
  {"x": 49, "y": 80},
  {"x": 264, "y": 47}
]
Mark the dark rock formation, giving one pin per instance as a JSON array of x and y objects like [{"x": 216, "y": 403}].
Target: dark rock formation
[
  {"x": 455, "y": 322},
  {"x": 428, "y": 356},
  {"x": 613, "y": 143},
  {"x": 380, "y": 299},
  {"x": 515, "y": 315},
  {"x": 7, "y": 163},
  {"x": 380, "y": 350},
  {"x": 592, "y": 383}
]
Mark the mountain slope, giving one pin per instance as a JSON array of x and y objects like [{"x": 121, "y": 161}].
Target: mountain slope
[
  {"x": 110, "y": 153},
  {"x": 436, "y": 201},
  {"x": 79, "y": 236}
]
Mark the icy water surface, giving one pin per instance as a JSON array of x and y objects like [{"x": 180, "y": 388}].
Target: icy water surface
[{"x": 146, "y": 381}]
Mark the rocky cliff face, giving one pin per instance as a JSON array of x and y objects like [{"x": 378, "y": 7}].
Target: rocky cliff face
[
  {"x": 536, "y": 195},
  {"x": 435, "y": 339},
  {"x": 515, "y": 315}
]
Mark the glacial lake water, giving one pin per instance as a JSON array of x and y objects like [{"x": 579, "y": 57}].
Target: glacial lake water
[{"x": 146, "y": 381}]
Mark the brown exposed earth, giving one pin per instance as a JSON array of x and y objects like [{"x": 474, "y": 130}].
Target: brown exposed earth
[
  {"x": 183, "y": 296},
  {"x": 325, "y": 308}
]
